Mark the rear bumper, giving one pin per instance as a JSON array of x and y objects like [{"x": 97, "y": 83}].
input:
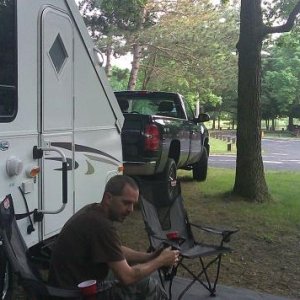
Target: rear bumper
[{"x": 139, "y": 168}]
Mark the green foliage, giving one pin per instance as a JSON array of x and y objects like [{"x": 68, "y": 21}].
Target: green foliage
[
  {"x": 116, "y": 24},
  {"x": 119, "y": 78},
  {"x": 125, "y": 14},
  {"x": 279, "y": 9},
  {"x": 190, "y": 51},
  {"x": 281, "y": 73}
]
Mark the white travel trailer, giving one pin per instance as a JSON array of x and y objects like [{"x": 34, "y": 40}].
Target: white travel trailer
[{"x": 59, "y": 120}]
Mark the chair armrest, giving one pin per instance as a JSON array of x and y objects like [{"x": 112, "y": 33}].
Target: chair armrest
[
  {"x": 168, "y": 243},
  {"x": 225, "y": 233}
]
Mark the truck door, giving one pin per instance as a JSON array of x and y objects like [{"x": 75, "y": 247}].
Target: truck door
[
  {"x": 56, "y": 114},
  {"x": 195, "y": 135}
]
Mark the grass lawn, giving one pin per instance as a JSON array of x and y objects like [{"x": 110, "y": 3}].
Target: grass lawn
[
  {"x": 220, "y": 147},
  {"x": 266, "y": 249}
]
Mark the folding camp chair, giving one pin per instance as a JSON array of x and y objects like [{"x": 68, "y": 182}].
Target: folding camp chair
[
  {"x": 169, "y": 225},
  {"x": 17, "y": 255}
]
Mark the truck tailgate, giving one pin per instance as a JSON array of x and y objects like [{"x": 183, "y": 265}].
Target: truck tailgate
[{"x": 133, "y": 138}]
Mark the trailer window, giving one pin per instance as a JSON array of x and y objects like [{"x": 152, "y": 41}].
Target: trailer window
[{"x": 8, "y": 61}]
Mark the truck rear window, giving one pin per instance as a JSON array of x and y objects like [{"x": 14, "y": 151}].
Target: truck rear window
[
  {"x": 150, "y": 105},
  {"x": 8, "y": 61}
]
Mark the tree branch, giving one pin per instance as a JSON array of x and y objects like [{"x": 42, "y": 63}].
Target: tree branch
[{"x": 288, "y": 24}]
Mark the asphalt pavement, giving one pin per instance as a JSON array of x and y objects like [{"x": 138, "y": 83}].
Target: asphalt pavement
[
  {"x": 197, "y": 292},
  {"x": 278, "y": 154}
]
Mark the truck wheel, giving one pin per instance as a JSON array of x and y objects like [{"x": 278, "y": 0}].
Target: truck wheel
[
  {"x": 169, "y": 176},
  {"x": 6, "y": 277},
  {"x": 200, "y": 167}
]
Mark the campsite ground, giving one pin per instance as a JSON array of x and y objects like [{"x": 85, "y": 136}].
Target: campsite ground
[{"x": 266, "y": 248}]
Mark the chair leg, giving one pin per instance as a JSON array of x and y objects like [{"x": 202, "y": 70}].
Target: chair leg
[
  {"x": 168, "y": 277},
  {"x": 162, "y": 281},
  {"x": 208, "y": 285}
]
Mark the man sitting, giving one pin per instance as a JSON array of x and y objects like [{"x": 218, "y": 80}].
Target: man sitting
[{"x": 89, "y": 247}]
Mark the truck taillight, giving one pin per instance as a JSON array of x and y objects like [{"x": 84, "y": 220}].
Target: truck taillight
[{"x": 152, "y": 137}]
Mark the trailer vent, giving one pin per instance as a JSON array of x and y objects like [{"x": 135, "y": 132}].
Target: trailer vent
[{"x": 58, "y": 53}]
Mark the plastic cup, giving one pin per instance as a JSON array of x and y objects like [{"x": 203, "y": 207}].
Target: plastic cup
[
  {"x": 88, "y": 288},
  {"x": 173, "y": 235}
]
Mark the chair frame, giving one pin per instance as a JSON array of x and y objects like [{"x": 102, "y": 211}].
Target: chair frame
[
  {"x": 17, "y": 255},
  {"x": 157, "y": 237}
]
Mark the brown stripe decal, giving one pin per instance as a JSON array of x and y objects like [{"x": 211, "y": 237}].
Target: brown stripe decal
[{"x": 81, "y": 148}]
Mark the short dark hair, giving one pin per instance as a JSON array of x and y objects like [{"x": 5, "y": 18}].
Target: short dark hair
[{"x": 116, "y": 184}]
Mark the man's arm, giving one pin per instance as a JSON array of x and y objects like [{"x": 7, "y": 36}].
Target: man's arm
[
  {"x": 127, "y": 274},
  {"x": 137, "y": 257}
]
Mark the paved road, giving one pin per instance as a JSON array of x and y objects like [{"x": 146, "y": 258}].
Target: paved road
[
  {"x": 278, "y": 154},
  {"x": 197, "y": 292}
]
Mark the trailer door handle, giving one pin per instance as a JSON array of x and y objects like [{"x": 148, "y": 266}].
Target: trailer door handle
[{"x": 38, "y": 153}]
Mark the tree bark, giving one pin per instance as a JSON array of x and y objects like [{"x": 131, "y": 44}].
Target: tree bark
[
  {"x": 273, "y": 124},
  {"x": 291, "y": 123},
  {"x": 135, "y": 66},
  {"x": 137, "y": 54},
  {"x": 213, "y": 122},
  {"x": 250, "y": 178},
  {"x": 149, "y": 70},
  {"x": 108, "y": 66}
]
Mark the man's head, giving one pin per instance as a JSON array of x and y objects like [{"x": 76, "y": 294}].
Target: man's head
[{"x": 120, "y": 194}]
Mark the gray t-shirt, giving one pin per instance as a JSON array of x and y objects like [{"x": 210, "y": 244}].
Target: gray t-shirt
[{"x": 87, "y": 242}]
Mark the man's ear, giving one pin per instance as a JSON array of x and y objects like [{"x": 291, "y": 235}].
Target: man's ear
[{"x": 106, "y": 198}]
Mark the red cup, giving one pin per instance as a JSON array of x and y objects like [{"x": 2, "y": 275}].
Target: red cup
[
  {"x": 88, "y": 288},
  {"x": 173, "y": 235}
]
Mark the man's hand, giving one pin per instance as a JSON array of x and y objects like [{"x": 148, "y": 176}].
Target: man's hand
[
  {"x": 127, "y": 274},
  {"x": 169, "y": 257}
]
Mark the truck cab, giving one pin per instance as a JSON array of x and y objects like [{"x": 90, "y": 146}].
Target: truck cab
[{"x": 160, "y": 135}]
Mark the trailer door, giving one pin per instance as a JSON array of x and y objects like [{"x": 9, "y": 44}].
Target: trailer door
[{"x": 56, "y": 114}]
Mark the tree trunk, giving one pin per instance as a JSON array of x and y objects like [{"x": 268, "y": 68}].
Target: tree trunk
[
  {"x": 135, "y": 66},
  {"x": 250, "y": 178},
  {"x": 137, "y": 53},
  {"x": 291, "y": 123},
  {"x": 149, "y": 70},
  {"x": 273, "y": 124},
  {"x": 108, "y": 66}
]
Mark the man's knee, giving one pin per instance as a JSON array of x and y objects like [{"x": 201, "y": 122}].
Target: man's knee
[
  {"x": 146, "y": 289},
  {"x": 154, "y": 289}
]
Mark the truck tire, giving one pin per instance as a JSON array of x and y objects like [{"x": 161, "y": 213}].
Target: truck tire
[
  {"x": 200, "y": 167},
  {"x": 169, "y": 178},
  {"x": 6, "y": 277}
]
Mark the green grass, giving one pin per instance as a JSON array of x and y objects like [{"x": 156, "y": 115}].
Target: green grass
[
  {"x": 266, "y": 248},
  {"x": 268, "y": 237},
  {"x": 220, "y": 147},
  {"x": 283, "y": 186}
]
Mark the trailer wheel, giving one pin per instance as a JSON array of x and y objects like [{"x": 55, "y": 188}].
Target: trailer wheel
[
  {"x": 6, "y": 277},
  {"x": 200, "y": 167},
  {"x": 169, "y": 177}
]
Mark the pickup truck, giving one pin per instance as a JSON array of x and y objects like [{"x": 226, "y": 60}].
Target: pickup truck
[{"x": 160, "y": 135}]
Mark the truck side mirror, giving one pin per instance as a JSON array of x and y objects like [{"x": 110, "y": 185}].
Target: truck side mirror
[{"x": 203, "y": 117}]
